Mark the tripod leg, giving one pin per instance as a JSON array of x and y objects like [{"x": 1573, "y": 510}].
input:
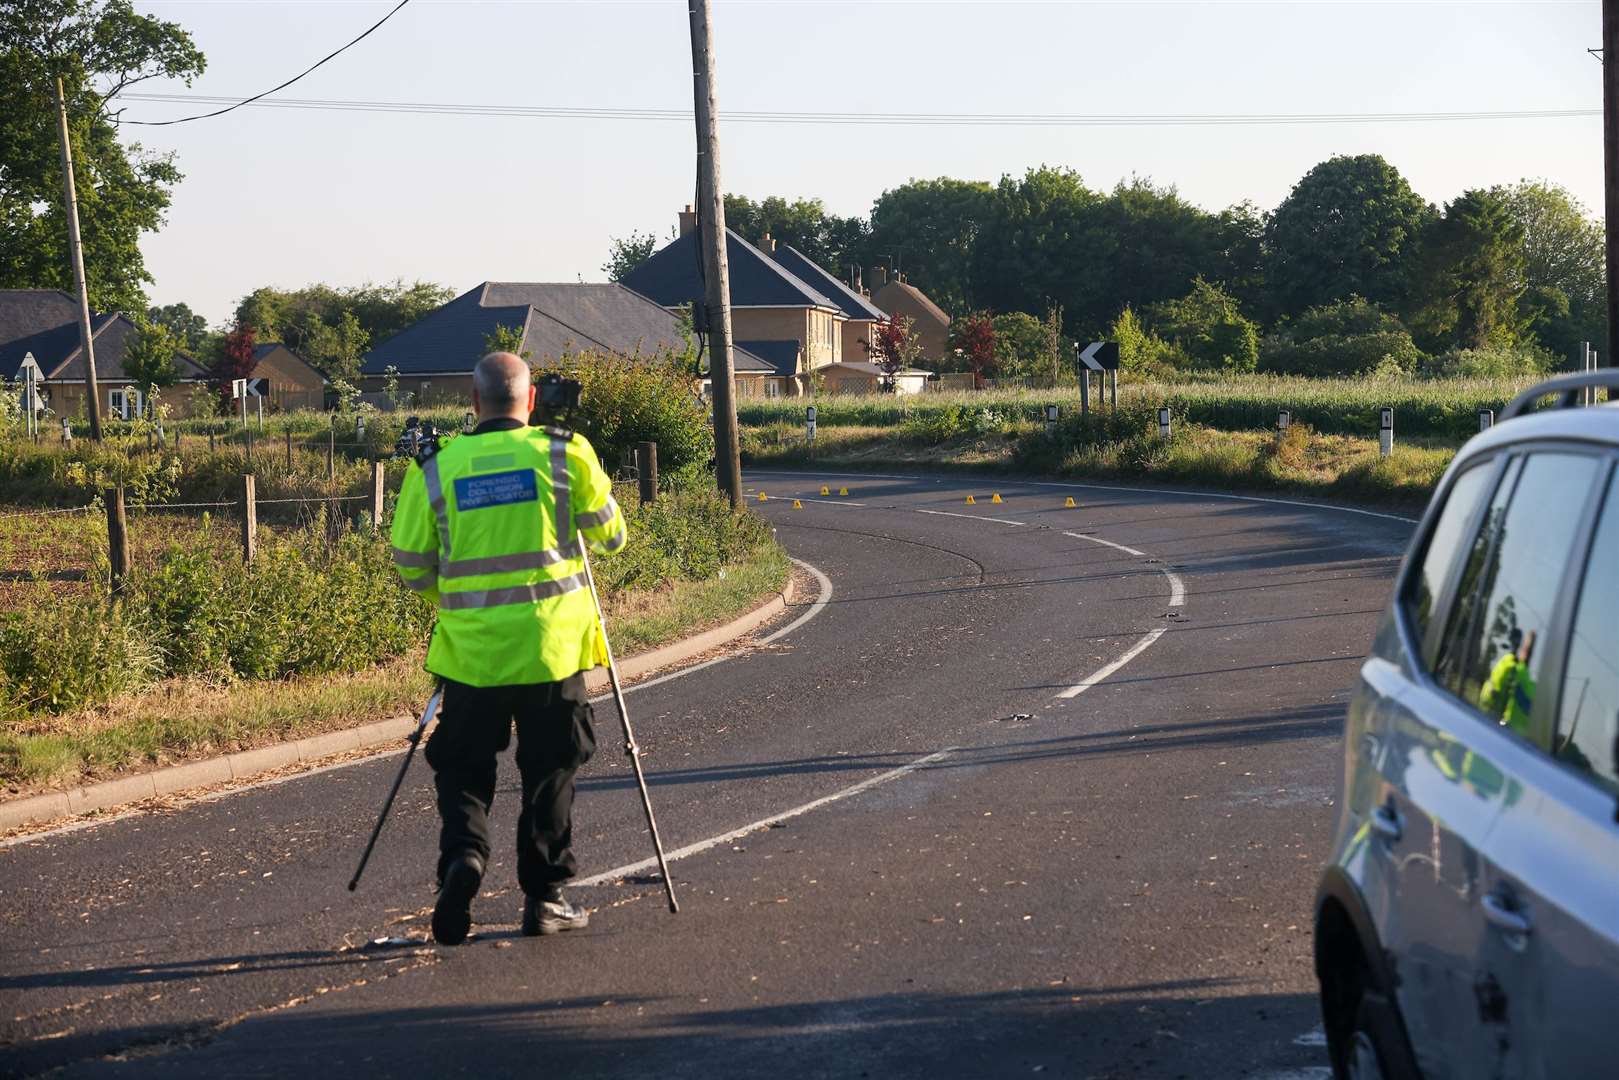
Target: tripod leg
[
  {"x": 630, "y": 747},
  {"x": 415, "y": 741}
]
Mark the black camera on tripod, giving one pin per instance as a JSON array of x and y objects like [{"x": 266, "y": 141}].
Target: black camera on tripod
[{"x": 418, "y": 441}]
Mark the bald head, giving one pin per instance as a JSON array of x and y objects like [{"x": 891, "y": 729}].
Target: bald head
[{"x": 501, "y": 387}]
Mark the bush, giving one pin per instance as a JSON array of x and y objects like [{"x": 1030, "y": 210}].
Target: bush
[
  {"x": 1493, "y": 363},
  {"x": 56, "y": 656},
  {"x": 642, "y": 399},
  {"x": 1208, "y": 327},
  {"x": 933, "y": 426},
  {"x": 687, "y": 536},
  {"x": 1351, "y": 337}
]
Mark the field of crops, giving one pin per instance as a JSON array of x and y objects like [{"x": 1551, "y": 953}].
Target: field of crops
[{"x": 1423, "y": 408}]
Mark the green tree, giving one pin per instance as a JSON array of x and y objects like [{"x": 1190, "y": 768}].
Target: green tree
[
  {"x": 1033, "y": 245},
  {"x": 336, "y": 350},
  {"x": 1021, "y": 345},
  {"x": 149, "y": 356},
  {"x": 1472, "y": 280},
  {"x": 1141, "y": 351},
  {"x": 311, "y": 321},
  {"x": 1209, "y": 328},
  {"x": 190, "y": 328},
  {"x": 831, "y": 241},
  {"x": 626, "y": 253},
  {"x": 505, "y": 339},
  {"x": 98, "y": 48},
  {"x": 1564, "y": 269},
  {"x": 930, "y": 227},
  {"x": 1349, "y": 228}
]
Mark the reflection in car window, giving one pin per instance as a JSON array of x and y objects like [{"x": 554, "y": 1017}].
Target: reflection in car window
[
  {"x": 1452, "y": 657},
  {"x": 1445, "y": 547},
  {"x": 1588, "y": 721},
  {"x": 1497, "y": 655}
]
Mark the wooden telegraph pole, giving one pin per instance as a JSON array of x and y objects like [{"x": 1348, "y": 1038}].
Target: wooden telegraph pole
[
  {"x": 711, "y": 243},
  {"x": 1610, "y": 161},
  {"x": 71, "y": 201}
]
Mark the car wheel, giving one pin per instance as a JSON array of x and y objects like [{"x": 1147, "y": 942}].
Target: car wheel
[{"x": 1368, "y": 1053}]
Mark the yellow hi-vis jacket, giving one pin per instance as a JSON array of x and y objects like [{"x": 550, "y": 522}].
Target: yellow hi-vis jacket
[{"x": 490, "y": 528}]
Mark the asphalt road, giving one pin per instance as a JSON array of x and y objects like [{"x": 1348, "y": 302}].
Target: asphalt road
[{"x": 1052, "y": 862}]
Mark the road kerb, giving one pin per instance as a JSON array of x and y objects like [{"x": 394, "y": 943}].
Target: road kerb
[{"x": 53, "y": 805}]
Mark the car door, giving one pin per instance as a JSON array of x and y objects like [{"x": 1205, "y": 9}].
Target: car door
[
  {"x": 1552, "y": 865},
  {"x": 1431, "y": 805}
]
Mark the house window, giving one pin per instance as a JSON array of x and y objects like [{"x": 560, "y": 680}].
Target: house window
[{"x": 124, "y": 402}]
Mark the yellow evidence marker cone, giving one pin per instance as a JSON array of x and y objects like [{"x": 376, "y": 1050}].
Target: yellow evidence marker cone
[
  {"x": 1068, "y": 503},
  {"x": 797, "y": 505},
  {"x": 971, "y": 501},
  {"x": 843, "y": 491},
  {"x": 825, "y": 490},
  {"x": 763, "y": 496},
  {"x": 995, "y": 498}
]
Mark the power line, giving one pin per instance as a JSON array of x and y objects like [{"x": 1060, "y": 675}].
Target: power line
[
  {"x": 255, "y": 98},
  {"x": 880, "y": 119}
]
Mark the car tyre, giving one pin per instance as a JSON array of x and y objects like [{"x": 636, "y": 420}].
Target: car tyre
[{"x": 1374, "y": 1048}]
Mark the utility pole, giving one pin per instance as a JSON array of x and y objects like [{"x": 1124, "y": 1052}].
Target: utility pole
[
  {"x": 71, "y": 200},
  {"x": 1610, "y": 160},
  {"x": 711, "y": 243}
]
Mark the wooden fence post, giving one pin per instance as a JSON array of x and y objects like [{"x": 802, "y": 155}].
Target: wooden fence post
[
  {"x": 331, "y": 454},
  {"x": 117, "y": 539},
  {"x": 210, "y": 442},
  {"x": 289, "y": 451},
  {"x": 646, "y": 468},
  {"x": 377, "y": 472},
  {"x": 250, "y": 519}
]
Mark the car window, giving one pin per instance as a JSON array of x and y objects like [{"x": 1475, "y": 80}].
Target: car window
[
  {"x": 1446, "y": 547},
  {"x": 1494, "y": 660},
  {"x": 1450, "y": 656},
  {"x": 1588, "y": 718}
]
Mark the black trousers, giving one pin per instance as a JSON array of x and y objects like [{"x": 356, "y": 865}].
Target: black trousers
[{"x": 554, "y": 738}]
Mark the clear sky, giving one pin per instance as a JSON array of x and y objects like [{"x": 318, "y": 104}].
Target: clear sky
[{"x": 289, "y": 197}]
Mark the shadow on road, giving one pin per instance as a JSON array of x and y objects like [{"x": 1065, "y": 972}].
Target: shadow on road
[{"x": 1191, "y": 1028}]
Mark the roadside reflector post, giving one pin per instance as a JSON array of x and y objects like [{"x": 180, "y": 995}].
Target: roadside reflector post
[
  {"x": 250, "y": 519},
  {"x": 67, "y": 431},
  {"x": 646, "y": 470},
  {"x": 1284, "y": 420},
  {"x": 376, "y": 493},
  {"x": 809, "y": 424},
  {"x": 359, "y": 427},
  {"x": 1053, "y": 414},
  {"x": 1385, "y": 431},
  {"x": 468, "y": 422},
  {"x": 1163, "y": 424},
  {"x": 1486, "y": 419},
  {"x": 117, "y": 540}
]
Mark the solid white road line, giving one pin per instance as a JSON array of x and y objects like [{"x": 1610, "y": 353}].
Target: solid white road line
[
  {"x": 1102, "y": 673},
  {"x": 89, "y": 823},
  {"x": 764, "y": 823},
  {"x": 969, "y": 517},
  {"x": 1177, "y": 587},
  {"x": 1112, "y": 487}
]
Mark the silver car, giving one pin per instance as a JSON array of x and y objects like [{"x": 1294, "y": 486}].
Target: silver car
[{"x": 1467, "y": 924}]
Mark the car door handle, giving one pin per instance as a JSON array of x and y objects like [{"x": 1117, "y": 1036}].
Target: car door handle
[
  {"x": 1385, "y": 822},
  {"x": 1502, "y": 913}
]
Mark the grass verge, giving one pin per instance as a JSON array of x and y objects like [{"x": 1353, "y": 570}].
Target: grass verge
[
  {"x": 1307, "y": 463},
  {"x": 179, "y": 719}
]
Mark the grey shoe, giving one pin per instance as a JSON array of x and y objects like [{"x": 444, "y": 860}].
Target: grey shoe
[{"x": 553, "y": 916}]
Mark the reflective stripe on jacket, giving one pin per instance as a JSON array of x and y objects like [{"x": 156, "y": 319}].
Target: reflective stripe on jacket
[{"x": 489, "y": 528}]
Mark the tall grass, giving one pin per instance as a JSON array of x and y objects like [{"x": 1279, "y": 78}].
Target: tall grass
[{"x": 1428, "y": 408}]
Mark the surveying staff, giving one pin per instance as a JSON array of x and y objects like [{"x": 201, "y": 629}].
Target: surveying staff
[{"x": 489, "y": 528}]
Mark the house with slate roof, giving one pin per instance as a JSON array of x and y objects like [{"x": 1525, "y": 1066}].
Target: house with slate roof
[
  {"x": 434, "y": 357},
  {"x": 294, "y": 383},
  {"x": 929, "y": 321},
  {"x": 784, "y": 307},
  {"x": 44, "y": 323}
]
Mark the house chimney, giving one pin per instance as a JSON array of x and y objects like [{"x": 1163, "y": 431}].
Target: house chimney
[
  {"x": 882, "y": 276},
  {"x": 688, "y": 220},
  {"x": 767, "y": 244}
]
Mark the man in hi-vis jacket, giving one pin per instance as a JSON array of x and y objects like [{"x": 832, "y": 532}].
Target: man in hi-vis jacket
[{"x": 490, "y": 529}]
